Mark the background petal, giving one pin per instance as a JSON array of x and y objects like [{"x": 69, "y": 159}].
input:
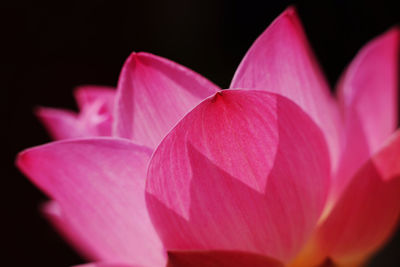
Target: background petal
[
  {"x": 368, "y": 99},
  {"x": 62, "y": 124},
  {"x": 153, "y": 95},
  {"x": 282, "y": 61},
  {"x": 99, "y": 185},
  {"x": 87, "y": 94},
  {"x": 245, "y": 170}
]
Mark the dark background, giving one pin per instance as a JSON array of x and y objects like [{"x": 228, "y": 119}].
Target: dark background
[{"x": 48, "y": 51}]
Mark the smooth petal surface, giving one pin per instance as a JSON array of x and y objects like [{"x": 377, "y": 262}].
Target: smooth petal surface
[
  {"x": 96, "y": 105},
  {"x": 62, "y": 124},
  {"x": 99, "y": 185},
  {"x": 367, "y": 212},
  {"x": 368, "y": 97},
  {"x": 219, "y": 259},
  {"x": 281, "y": 61},
  {"x": 245, "y": 170},
  {"x": 88, "y": 94},
  {"x": 153, "y": 95}
]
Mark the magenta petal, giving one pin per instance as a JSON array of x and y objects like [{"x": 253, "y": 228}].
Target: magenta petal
[
  {"x": 245, "y": 170},
  {"x": 367, "y": 212},
  {"x": 153, "y": 95},
  {"x": 103, "y": 264},
  {"x": 219, "y": 259},
  {"x": 88, "y": 94},
  {"x": 62, "y": 124},
  {"x": 99, "y": 185},
  {"x": 281, "y": 61},
  {"x": 368, "y": 98},
  {"x": 369, "y": 87}
]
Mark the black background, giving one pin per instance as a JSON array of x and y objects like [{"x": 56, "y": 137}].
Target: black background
[{"x": 48, "y": 51}]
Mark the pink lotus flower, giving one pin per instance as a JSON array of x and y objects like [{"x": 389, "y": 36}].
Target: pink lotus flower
[{"x": 274, "y": 172}]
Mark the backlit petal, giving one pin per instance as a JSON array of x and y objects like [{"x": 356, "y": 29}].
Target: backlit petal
[
  {"x": 153, "y": 95},
  {"x": 99, "y": 185},
  {"x": 282, "y": 61},
  {"x": 368, "y": 97},
  {"x": 245, "y": 170}
]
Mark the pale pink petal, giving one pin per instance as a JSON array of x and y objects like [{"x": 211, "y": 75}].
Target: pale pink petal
[
  {"x": 245, "y": 170},
  {"x": 281, "y": 61},
  {"x": 214, "y": 258},
  {"x": 87, "y": 94},
  {"x": 368, "y": 99},
  {"x": 368, "y": 210},
  {"x": 99, "y": 185},
  {"x": 153, "y": 95},
  {"x": 62, "y": 124}
]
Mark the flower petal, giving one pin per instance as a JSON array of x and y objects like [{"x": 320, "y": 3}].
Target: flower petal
[
  {"x": 368, "y": 210},
  {"x": 153, "y": 95},
  {"x": 99, "y": 185},
  {"x": 368, "y": 99},
  {"x": 282, "y": 61},
  {"x": 103, "y": 264},
  {"x": 245, "y": 170},
  {"x": 62, "y": 124},
  {"x": 87, "y": 94},
  {"x": 219, "y": 259}
]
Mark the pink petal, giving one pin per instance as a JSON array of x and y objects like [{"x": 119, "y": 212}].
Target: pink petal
[
  {"x": 87, "y": 94},
  {"x": 219, "y": 259},
  {"x": 96, "y": 108},
  {"x": 153, "y": 95},
  {"x": 99, "y": 185},
  {"x": 245, "y": 170},
  {"x": 62, "y": 124},
  {"x": 368, "y": 210},
  {"x": 102, "y": 264},
  {"x": 368, "y": 98},
  {"x": 282, "y": 61}
]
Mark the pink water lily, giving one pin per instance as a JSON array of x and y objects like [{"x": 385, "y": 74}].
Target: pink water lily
[{"x": 274, "y": 171}]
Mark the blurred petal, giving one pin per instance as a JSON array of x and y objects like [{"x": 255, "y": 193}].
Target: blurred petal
[
  {"x": 153, "y": 95},
  {"x": 367, "y": 212},
  {"x": 368, "y": 98},
  {"x": 87, "y": 94},
  {"x": 99, "y": 185},
  {"x": 102, "y": 264},
  {"x": 245, "y": 170},
  {"x": 62, "y": 124},
  {"x": 282, "y": 61},
  {"x": 219, "y": 259}
]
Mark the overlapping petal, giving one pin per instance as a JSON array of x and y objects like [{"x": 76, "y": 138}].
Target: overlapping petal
[
  {"x": 99, "y": 185},
  {"x": 153, "y": 95},
  {"x": 62, "y": 124},
  {"x": 281, "y": 61},
  {"x": 96, "y": 105},
  {"x": 245, "y": 170},
  {"x": 368, "y": 95},
  {"x": 368, "y": 210}
]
